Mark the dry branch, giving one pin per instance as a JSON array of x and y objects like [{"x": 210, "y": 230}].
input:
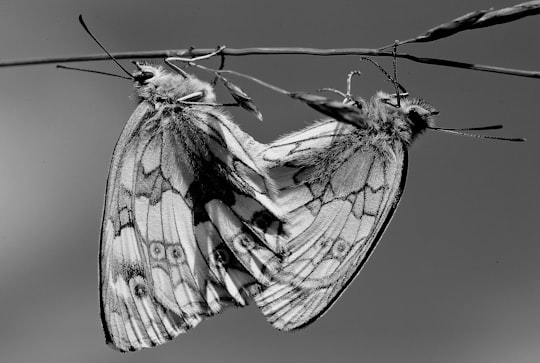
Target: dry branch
[
  {"x": 473, "y": 20},
  {"x": 160, "y": 54}
]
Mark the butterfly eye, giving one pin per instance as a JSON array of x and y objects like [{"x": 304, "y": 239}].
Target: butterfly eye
[{"x": 143, "y": 76}]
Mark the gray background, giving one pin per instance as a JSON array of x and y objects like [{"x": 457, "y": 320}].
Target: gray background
[{"x": 456, "y": 276}]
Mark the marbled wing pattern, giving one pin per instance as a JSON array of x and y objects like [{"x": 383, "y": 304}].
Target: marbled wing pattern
[{"x": 187, "y": 230}]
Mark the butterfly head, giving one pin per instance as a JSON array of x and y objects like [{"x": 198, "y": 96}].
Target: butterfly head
[
  {"x": 404, "y": 119},
  {"x": 155, "y": 84}
]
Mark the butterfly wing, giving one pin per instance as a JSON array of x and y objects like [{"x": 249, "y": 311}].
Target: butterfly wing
[
  {"x": 182, "y": 236},
  {"x": 340, "y": 188}
]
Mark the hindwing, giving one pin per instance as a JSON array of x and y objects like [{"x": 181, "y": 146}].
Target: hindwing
[{"x": 340, "y": 188}]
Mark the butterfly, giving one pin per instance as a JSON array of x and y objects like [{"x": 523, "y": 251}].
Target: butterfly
[
  {"x": 188, "y": 229},
  {"x": 185, "y": 233},
  {"x": 338, "y": 185}
]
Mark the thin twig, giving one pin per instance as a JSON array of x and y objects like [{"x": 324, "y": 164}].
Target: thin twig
[
  {"x": 271, "y": 51},
  {"x": 194, "y": 53}
]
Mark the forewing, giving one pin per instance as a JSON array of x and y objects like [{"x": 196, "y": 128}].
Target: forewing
[
  {"x": 131, "y": 316},
  {"x": 348, "y": 189}
]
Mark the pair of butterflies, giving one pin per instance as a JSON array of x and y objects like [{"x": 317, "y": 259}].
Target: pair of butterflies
[{"x": 200, "y": 217}]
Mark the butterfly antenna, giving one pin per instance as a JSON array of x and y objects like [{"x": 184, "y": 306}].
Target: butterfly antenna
[
  {"x": 490, "y": 127},
  {"x": 218, "y": 50},
  {"x": 189, "y": 61},
  {"x": 176, "y": 68},
  {"x": 349, "y": 81},
  {"x": 458, "y": 132},
  {"x": 102, "y": 47},
  {"x": 394, "y": 63},
  {"x": 347, "y": 96},
  {"x": 332, "y": 90},
  {"x": 93, "y": 71},
  {"x": 399, "y": 88}
]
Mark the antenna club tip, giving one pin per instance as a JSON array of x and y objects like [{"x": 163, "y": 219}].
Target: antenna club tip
[{"x": 83, "y": 23}]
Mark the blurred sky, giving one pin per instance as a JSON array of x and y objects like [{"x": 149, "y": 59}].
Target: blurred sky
[{"x": 456, "y": 277}]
